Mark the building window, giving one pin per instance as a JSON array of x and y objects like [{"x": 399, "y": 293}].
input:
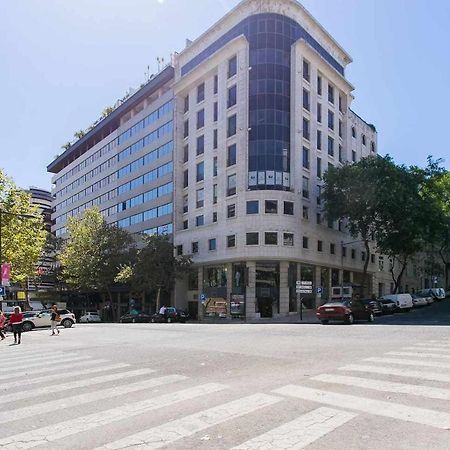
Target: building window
[
  {"x": 231, "y": 155},
  {"x": 231, "y": 130},
  {"x": 231, "y": 184},
  {"x": 319, "y": 113},
  {"x": 305, "y": 99},
  {"x": 341, "y": 103},
  {"x": 353, "y": 253},
  {"x": 318, "y": 218},
  {"x": 353, "y": 132},
  {"x": 231, "y": 211},
  {"x": 186, "y": 153},
  {"x": 353, "y": 156},
  {"x": 330, "y": 93},
  {"x": 253, "y": 207},
  {"x": 270, "y": 238},
  {"x": 319, "y": 194},
  {"x": 363, "y": 139},
  {"x": 340, "y": 153},
  {"x": 200, "y": 198},
  {"x": 319, "y": 246},
  {"x": 216, "y": 84},
  {"x": 212, "y": 244},
  {"x": 185, "y": 224},
  {"x": 330, "y": 146},
  {"x": 215, "y": 166},
  {"x": 271, "y": 207},
  {"x": 288, "y": 239},
  {"x": 214, "y": 218},
  {"x": 200, "y": 171},
  {"x": 214, "y": 194},
  {"x": 372, "y": 258},
  {"x": 319, "y": 140},
  {"x": 200, "y": 145},
  {"x": 199, "y": 221},
  {"x": 195, "y": 247},
  {"x": 305, "y": 187},
  {"x": 200, "y": 92},
  {"x": 372, "y": 146},
  {"x": 319, "y": 168},
  {"x": 305, "y": 213},
  {"x": 186, "y": 178},
  {"x": 305, "y": 243},
  {"x": 344, "y": 252},
  {"x": 306, "y": 75},
  {"x": 186, "y": 104},
  {"x": 179, "y": 250},
  {"x": 319, "y": 85},
  {"x": 215, "y": 139},
  {"x": 200, "y": 119},
  {"x": 185, "y": 204},
  {"x": 306, "y": 128},
  {"x": 306, "y": 158},
  {"x": 215, "y": 112},
  {"x": 232, "y": 96},
  {"x": 333, "y": 249},
  {"x": 186, "y": 128},
  {"x": 252, "y": 238},
  {"x": 363, "y": 256},
  {"x": 330, "y": 120},
  {"x": 232, "y": 66},
  {"x": 288, "y": 208},
  {"x": 231, "y": 241},
  {"x": 340, "y": 225},
  {"x": 340, "y": 128}
]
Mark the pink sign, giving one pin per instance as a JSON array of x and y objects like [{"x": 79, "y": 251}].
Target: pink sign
[{"x": 5, "y": 272}]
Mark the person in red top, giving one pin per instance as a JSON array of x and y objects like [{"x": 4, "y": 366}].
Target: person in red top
[
  {"x": 15, "y": 321},
  {"x": 2, "y": 324}
]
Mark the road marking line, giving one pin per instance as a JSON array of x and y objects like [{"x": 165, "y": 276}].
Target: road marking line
[
  {"x": 419, "y": 355},
  {"x": 370, "y": 406},
  {"x": 428, "y": 349},
  {"x": 82, "y": 399},
  {"x": 398, "y": 372},
  {"x": 33, "y": 356},
  {"x": 386, "y": 386},
  {"x": 6, "y": 398},
  {"x": 409, "y": 362},
  {"x": 301, "y": 432},
  {"x": 57, "y": 431},
  {"x": 46, "y": 361},
  {"x": 54, "y": 367},
  {"x": 170, "y": 432},
  {"x": 444, "y": 343},
  {"x": 59, "y": 376}
]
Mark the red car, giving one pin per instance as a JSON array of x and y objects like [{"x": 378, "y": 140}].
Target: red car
[{"x": 347, "y": 311}]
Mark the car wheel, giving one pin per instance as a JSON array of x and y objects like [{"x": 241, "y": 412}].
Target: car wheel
[
  {"x": 153, "y": 320},
  {"x": 371, "y": 318},
  {"x": 27, "y": 326},
  {"x": 67, "y": 323},
  {"x": 324, "y": 322},
  {"x": 169, "y": 320},
  {"x": 350, "y": 319}
]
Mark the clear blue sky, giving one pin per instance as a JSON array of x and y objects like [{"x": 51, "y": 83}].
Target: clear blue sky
[{"x": 63, "y": 61}]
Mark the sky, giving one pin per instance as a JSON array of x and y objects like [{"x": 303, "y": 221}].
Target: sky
[{"x": 63, "y": 61}]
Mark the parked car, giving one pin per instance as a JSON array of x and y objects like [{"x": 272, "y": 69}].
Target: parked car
[
  {"x": 419, "y": 300},
  {"x": 404, "y": 301},
  {"x": 388, "y": 306},
  {"x": 374, "y": 305},
  {"x": 347, "y": 311},
  {"x": 436, "y": 293},
  {"x": 90, "y": 317},
  {"x": 171, "y": 315},
  {"x": 43, "y": 319},
  {"x": 135, "y": 317}
]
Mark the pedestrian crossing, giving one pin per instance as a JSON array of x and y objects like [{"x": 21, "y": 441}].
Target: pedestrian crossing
[{"x": 86, "y": 397}]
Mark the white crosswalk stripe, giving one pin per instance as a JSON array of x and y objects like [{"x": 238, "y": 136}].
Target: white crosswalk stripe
[
  {"x": 60, "y": 376},
  {"x": 386, "y": 386},
  {"x": 428, "y": 349},
  {"x": 431, "y": 376},
  {"x": 46, "y": 361},
  {"x": 54, "y": 388},
  {"x": 82, "y": 399},
  {"x": 301, "y": 432},
  {"x": 410, "y": 362},
  {"x": 443, "y": 343},
  {"x": 419, "y": 355},
  {"x": 32, "y": 357},
  {"x": 58, "y": 431},
  {"x": 370, "y": 406},
  {"x": 175, "y": 430},
  {"x": 58, "y": 366}
]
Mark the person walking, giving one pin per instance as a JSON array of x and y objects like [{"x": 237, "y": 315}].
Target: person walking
[
  {"x": 15, "y": 321},
  {"x": 54, "y": 320},
  {"x": 2, "y": 324}
]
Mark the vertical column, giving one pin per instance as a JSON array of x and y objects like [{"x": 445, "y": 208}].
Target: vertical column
[
  {"x": 330, "y": 283},
  {"x": 299, "y": 277},
  {"x": 250, "y": 298},
  {"x": 201, "y": 309},
  {"x": 317, "y": 283},
  {"x": 284, "y": 288},
  {"x": 229, "y": 267}
]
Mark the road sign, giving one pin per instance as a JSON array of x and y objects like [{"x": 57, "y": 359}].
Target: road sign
[
  {"x": 303, "y": 283},
  {"x": 2, "y": 291},
  {"x": 319, "y": 290},
  {"x": 304, "y": 290},
  {"x": 203, "y": 298}
]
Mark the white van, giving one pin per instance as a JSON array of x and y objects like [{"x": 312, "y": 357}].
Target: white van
[{"x": 403, "y": 301}]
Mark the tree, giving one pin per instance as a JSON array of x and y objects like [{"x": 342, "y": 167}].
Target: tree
[
  {"x": 22, "y": 230},
  {"x": 155, "y": 267},
  {"x": 94, "y": 252}
]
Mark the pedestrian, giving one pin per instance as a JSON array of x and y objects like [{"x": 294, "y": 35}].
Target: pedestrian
[
  {"x": 15, "y": 321},
  {"x": 162, "y": 310},
  {"x": 2, "y": 324},
  {"x": 55, "y": 319}
]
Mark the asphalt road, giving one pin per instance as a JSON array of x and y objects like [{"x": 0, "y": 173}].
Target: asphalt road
[{"x": 227, "y": 386}]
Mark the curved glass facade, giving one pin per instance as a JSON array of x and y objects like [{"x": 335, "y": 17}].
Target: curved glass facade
[{"x": 270, "y": 38}]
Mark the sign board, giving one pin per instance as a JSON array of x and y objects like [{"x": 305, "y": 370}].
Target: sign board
[
  {"x": 319, "y": 290},
  {"x": 237, "y": 305},
  {"x": 5, "y": 274},
  {"x": 2, "y": 291},
  {"x": 203, "y": 298},
  {"x": 303, "y": 290},
  {"x": 303, "y": 283}
]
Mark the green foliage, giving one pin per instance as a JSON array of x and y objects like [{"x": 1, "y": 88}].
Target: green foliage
[
  {"x": 22, "y": 238},
  {"x": 94, "y": 252}
]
